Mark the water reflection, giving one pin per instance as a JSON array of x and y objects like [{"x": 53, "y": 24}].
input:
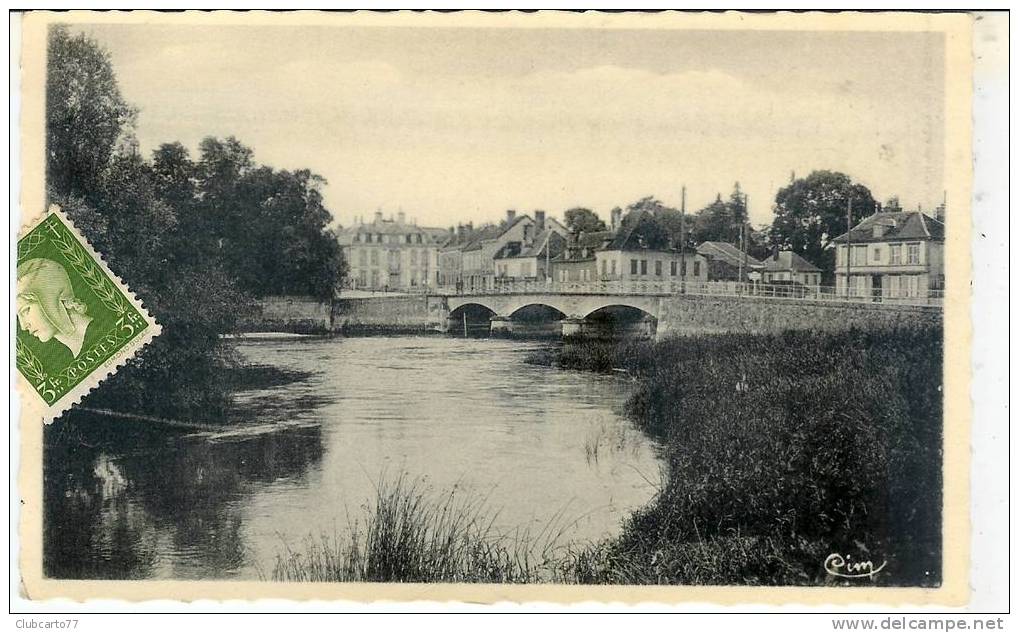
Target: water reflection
[
  {"x": 154, "y": 505},
  {"x": 125, "y": 500}
]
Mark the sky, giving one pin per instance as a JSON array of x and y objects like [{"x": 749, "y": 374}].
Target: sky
[{"x": 460, "y": 124}]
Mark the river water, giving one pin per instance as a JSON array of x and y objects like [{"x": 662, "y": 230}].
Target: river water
[{"x": 545, "y": 450}]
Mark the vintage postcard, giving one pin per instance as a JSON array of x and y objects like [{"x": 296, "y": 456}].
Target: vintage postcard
[{"x": 559, "y": 307}]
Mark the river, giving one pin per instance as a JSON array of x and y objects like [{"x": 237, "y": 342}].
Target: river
[{"x": 540, "y": 447}]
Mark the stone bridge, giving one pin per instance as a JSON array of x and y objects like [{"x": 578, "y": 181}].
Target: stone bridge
[
  {"x": 667, "y": 313},
  {"x": 577, "y": 306}
]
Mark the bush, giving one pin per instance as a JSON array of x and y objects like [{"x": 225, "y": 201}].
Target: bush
[
  {"x": 807, "y": 439},
  {"x": 788, "y": 447}
]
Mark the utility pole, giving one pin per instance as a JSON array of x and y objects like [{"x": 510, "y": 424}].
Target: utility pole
[
  {"x": 548, "y": 256},
  {"x": 682, "y": 243},
  {"x": 744, "y": 269},
  {"x": 849, "y": 244}
]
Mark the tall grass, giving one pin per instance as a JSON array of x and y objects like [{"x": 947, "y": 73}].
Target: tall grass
[{"x": 408, "y": 535}]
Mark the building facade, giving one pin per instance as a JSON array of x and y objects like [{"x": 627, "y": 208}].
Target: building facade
[
  {"x": 391, "y": 254},
  {"x": 787, "y": 266},
  {"x": 637, "y": 250},
  {"x": 891, "y": 255},
  {"x": 726, "y": 262},
  {"x": 531, "y": 260},
  {"x": 478, "y": 269}
]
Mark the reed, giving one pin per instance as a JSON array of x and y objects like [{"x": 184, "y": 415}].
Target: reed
[{"x": 410, "y": 535}]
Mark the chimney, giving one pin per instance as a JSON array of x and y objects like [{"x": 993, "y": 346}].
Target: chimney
[
  {"x": 511, "y": 214},
  {"x": 539, "y": 221},
  {"x": 401, "y": 217},
  {"x": 459, "y": 231},
  {"x": 616, "y": 218},
  {"x": 378, "y": 217}
]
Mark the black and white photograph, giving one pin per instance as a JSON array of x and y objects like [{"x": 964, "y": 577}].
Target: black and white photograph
[{"x": 562, "y": 300}]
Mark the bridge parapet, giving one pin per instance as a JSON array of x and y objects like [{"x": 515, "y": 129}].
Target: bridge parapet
[{"x": 706, "y": 289}]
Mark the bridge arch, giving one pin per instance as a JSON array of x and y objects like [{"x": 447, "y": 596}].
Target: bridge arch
[
  {"x": 620, "y": 319},
  {"x": 537, "y": 311},
  {"x": 619, "y": 312},
  {"x": 474, "y": 310},
  {"x": 602, "y": 307}
]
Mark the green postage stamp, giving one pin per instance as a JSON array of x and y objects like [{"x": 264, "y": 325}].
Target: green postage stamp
[{"x": 76, "y": 320}]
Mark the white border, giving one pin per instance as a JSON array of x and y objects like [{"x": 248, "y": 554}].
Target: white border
[{"x": 991, "y": 452}]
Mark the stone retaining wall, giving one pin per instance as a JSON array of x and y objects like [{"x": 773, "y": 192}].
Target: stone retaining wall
[
  {"x": 299, "y": 315},
  {"x": 703, "y": 315},
  {"x": 415, "y": 313}
]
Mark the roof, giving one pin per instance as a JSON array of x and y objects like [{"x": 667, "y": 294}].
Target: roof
[
  {"x": 536, "y": 249},
  {"x": 639, "y": 231},
  {"x": 432, "y": 235},
  {"x": 728, "y": 253},
  {"x": 788, "y": 260},
  {"x": 589, "y": 241},
  {"x": 438, "y": 235},
  {"x": 482, "y": 234},
  {"x": 898, "y": 225}
]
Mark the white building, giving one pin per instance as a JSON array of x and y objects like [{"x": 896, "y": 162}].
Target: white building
[{"x": 388, "y": 254}]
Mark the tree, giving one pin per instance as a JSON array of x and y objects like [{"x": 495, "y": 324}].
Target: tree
[
  {"x": 581, "y": 219},
  {"x": 194, "y": 240},
  {"x": 721, "y": 221},
  {"x": 810, "y": 212},
  {"x": 85, "y": 113},
  {"x": 656, "y": 223}
]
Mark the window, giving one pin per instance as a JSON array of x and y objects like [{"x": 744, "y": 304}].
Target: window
[
  {"x": 859, "y": 255},
  {"x": 893, "y": 285},
  {"x": 613, "y": 267},
  {"x": 895, "y": 255},
  {"x": 658, "y": 268},
  {"x": 413, "y": 256},
  {"x": 911, "y": 285},
  {"x": 369, "y": 236},
  {"x": 643, "y": 266},
  {"x": 604, "y": 263},
  {"x": 362, "y": 257},
  {"x": 842, "y": 256},
  {"x": 375, "y": 257},
  {"x": 672, "y": 268},
  {"x": 633, "y": 266},
  {"x": 913, "y": 253},
  {"x": 696, "y": 269},
  {"x": 877, "y": 254}
]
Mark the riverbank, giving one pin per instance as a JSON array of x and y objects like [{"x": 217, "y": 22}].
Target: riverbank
[{"x": 782, "y": 450}]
